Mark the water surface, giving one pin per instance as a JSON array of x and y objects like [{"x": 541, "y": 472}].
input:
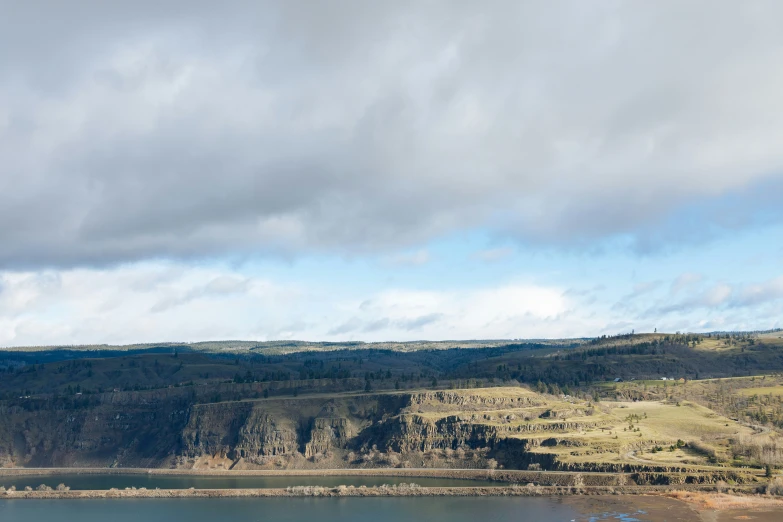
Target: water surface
[
  {"x": 121, "y": 481},
  {"x": 451, "y": 509}
]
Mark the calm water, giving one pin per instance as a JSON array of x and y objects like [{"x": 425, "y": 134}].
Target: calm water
[
  {"x": 449, "y": 509},
  {"x": 75, "y": 481}
]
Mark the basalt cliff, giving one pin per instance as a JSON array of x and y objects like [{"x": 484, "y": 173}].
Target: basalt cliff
[
  {"x": 457, "y": 428},
  {"x": 491, "y": 428}
]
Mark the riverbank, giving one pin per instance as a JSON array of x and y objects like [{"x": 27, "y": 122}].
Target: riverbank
[
  {"x": 720, "y": 507},
  {"x": 676, "y": 506},
  {"x": 484, "y": 474},
  {"x": 399, "y": 490},
  {"x": 523, "y": 477},
  {"x": 655, "y": 502}
]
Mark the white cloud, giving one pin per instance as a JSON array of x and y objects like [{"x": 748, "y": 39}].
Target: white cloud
[
  {"x": 152, "y": 302},
  {"x": 144, "y": 302},
  {"x": 723, "y": 296},
  {"x": 507, "y": 311},
  {"x": 758, "y": 293},
  {"x": 716, "y": 295}
]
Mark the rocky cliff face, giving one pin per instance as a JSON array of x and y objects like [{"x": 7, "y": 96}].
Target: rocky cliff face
[
  {"x": 464, "y": 401},
  {"x": 215, "y": 429},
  {"x": 275, "y": 432},
  {"x": 255, "y": 430},
  {"x": 408, "y": 433},
  {"x": 328, "y": 433},
  {"x": 456, "y": 418},
  {"x": 100, "y": 435}
]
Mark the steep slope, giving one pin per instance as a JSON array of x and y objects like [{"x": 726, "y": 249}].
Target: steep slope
[{"x": 509, "y": 427}]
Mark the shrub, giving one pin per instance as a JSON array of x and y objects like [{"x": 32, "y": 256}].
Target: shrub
[
  {"x": 775, "y": 487},
  {"x": 702, "y": 448}
]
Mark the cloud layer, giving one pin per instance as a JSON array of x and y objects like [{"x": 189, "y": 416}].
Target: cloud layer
[
  {"x": 151, "y": 302},
  {"x": 155, "y": 302},
  {"x": 193, "y": 129}
]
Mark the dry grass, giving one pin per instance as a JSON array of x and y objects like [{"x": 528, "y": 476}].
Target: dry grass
[
  {"x": 604, "y": 433},
  {"x": 653, "y": 424},
  {"x": 723, "y": 501},
  {"x": 774, "y": 390},
  {"x": 579, "y": 432},
  {"x": 489, "y": 393},
  {"x": 773, "y": 338}
]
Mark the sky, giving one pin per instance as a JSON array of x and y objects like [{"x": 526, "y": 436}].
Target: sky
[{"x": 350, "y": 170}]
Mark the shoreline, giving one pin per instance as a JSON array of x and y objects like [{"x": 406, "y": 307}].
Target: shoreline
[
  {"x": 504, "y": 478},
  {"x": 708, "y": 502},
  {"x": 711, "y": 501},
  {"x": 511, "y": 476},
  {"x": 468, "y": 473},
  {"x": 401, "y": 490},
  {"x": 274, "y": 472}
]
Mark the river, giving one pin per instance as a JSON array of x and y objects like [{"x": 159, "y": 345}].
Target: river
[
  {"x": 151, "y": 481},
  {"x": 450, "y": 509}
]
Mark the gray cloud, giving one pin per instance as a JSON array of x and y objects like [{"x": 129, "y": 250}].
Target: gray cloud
[
  {"x": 290, "y": 330},
  {"x": 351, "y": 325},
  {"x": 419, "y": 322},
  {"x": 357, "y": 325},
  {"x": 374, "y": 326},
  {"x": 188, "y": 129}
]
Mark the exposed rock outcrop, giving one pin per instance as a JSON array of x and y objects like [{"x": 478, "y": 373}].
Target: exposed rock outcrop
[{"x": 508, "y": 428}]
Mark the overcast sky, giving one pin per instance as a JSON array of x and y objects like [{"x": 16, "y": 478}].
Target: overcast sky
[{"x": 329, "y": 170}]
